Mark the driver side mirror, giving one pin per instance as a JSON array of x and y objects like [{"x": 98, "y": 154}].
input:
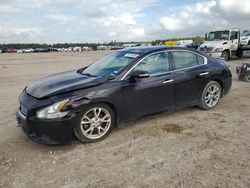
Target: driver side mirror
[
  {"x": 138, "y": 74},
  {"x": 206, "y": 37}
]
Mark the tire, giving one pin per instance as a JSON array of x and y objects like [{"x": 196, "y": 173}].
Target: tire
[
  {"x": 247, "y": 78},
  {"x": 96, "y": 123},
  {"x": 248, "y": 42},
  {"x": 225, "y": 55},
  {"x": 210, "y": 95},
  {"x": 240, "y": 77}
]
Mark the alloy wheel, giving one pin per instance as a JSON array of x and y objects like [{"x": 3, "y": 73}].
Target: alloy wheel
[
  {"x": 95, "y": 123},
  {"x": 212, "y": 95},
  {"x": 225, "y": 55}
]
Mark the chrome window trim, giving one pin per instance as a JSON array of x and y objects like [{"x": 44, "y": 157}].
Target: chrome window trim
[
  {"x": 161, "y": 73},
  {"x": 173, "y": 50},
  {"x": 142, "y": 60},
  {"x": 188, "y": 68}
]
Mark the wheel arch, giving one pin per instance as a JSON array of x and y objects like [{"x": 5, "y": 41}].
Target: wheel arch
[
  {"x": 229, "y": 52},
  {"x": 112, "y": 106}
]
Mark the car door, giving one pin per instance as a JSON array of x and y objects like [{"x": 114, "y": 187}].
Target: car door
[
  {"x": 190, "y": 75},
  {"x": 234, "y": 40},
  {"x": 152, "y": 94}
]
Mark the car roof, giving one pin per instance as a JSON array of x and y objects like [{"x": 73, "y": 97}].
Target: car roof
[{"x": 146, "y": 49}]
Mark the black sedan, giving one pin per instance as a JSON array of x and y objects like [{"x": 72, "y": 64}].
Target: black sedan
[{"x": 121, "y": 86}]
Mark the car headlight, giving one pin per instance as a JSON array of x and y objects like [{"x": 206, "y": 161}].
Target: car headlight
[
  {"x": 53, "y": 111},
  {"x": 218, "y": 49}
]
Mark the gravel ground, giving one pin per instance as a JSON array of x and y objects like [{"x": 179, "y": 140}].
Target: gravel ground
[{"x": 188, "y": 148}]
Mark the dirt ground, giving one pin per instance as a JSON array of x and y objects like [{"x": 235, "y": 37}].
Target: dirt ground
[{"x": 188, "y": 148}]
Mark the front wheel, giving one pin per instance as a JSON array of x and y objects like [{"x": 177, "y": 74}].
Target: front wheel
[
  {"x": 96, "y": 123},
  {"x": 210, "y": 96},
  {"x": 225, "y": 55}
]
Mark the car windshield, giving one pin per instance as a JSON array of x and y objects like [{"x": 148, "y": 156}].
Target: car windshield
[
  {"x": 218, "y": 35},
  {"x": 110, "y": 65},
  {"x": 245, "y": 33}
]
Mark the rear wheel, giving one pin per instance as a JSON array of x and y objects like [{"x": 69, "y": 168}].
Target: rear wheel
[
  {"x": 210, "y": 96},
  {"x": 247, "y": 78},
  {"x": 96, "y": 123},
  {"x": 225, "y": 55}
]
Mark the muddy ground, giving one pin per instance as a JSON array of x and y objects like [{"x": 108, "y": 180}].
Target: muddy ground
[{"x": 188, "y": 148}]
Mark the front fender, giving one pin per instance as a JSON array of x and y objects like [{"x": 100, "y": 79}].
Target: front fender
[{"x": 110, "y": 96}]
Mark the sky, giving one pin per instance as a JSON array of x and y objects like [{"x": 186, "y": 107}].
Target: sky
[{"x": 59, "y": 21}]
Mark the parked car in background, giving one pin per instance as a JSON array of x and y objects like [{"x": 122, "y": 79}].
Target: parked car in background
[
  {"x": 116, "y": 47},
  {"x": 129, "y": 45},
  {"x": 184, "y": 43},
  {"x": 245, "y": 38},
  {"x": 29, "y": 50},
  {"x": 121, "y": 86},
  {"x": 42, "y": 50},
  {"x": 103, "y": 47},
  {"x": 19, "y": 51},
  {"x": 77, "y": 49},
  {"x": 171, "y": 43},
  {"x": 10, "y": 50},
  {"x": 194, "y": 45},
  {"x": 53, "y": 50},
  {"x": 86, "y": 48},
  {"x": 1, "y": 50}
]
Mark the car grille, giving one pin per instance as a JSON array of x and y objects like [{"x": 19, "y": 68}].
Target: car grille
[
  {"x": 209, "y": 49},
  {"x": 23, "y": 110}
]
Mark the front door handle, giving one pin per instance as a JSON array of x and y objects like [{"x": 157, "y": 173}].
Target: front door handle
[
  {"x": 203, "y": 73},
  {"x": 168, "y": 81}
]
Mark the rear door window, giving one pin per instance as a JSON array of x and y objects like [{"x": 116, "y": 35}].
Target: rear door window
[{"x": 184, "y": 59}]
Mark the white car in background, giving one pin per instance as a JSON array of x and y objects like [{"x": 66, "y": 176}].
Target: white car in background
[
  {"x": 19, "y": 51},
  {"x": 184, "y": 43},
  {"x": 29, "y": 50},
  {"x": 245, "y": 38}
]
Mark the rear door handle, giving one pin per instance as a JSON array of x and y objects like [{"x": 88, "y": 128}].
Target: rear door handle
[
  {"x": 168, "y": 81},
  {"x": 203, "y": 73}
]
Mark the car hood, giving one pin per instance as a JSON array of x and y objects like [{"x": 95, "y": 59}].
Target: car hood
[
  {"x": 61, "y": 83},
  {"x": 213, "y": 43},
  {"x": 244, "y": 37}
]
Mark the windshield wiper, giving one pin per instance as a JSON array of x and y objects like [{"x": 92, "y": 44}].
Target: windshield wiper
[
  {"x": 110, "y": 77},
  {"x": 88, "y": 74}
]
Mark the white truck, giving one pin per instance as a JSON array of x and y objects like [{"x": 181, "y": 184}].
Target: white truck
[{"x": 225, "y": 44}]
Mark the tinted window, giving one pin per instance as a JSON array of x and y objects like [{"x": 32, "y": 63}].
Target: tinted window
[
  {"x": 111, "y": 65},
  {"x": 184, "y": 59},
  {"x": 154, "y": 64}
]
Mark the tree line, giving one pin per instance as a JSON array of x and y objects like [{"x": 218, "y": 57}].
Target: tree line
[{"x": 93, "y": 45}]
